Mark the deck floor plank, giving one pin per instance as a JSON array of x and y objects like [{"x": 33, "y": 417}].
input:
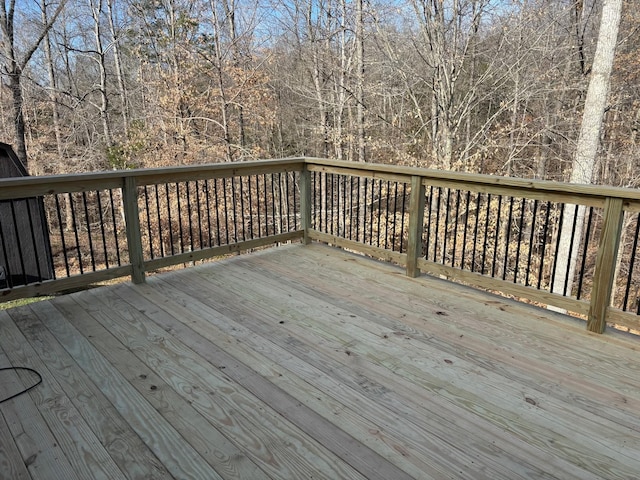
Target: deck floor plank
[
  {"x": 247, "y": 420},
  {"x": 12, "y": 463},
  {"x": 486, "y": 347},
  {"x": 129, "y": 452},
  {"x": 209, "y": 334},
  {"x": 508, "y": 414},
  {"x": 61, "y": 422},
  {"x": 311, "y": 362},
  {"x": 402, "y": 431},
  {"x": 161, "y": 417}
]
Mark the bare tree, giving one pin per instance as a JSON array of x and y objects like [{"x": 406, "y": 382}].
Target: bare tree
[
  {"x": 15, "y": 62},
  {"x": 584, "y": 162}
]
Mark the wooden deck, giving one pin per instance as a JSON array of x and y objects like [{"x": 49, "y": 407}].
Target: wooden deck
[{"x": 304, "y": 362}]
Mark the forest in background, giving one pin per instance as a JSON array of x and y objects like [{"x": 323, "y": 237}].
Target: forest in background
[{"x": 488, "y": 86}]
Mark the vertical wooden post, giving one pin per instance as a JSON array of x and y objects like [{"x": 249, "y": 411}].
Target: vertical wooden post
[
  {"x": 416, "y": 218},
  {"x": 305, "y": 203},
  {"x": 134, "y": 237},
  {"x": 605, "y": 265}
]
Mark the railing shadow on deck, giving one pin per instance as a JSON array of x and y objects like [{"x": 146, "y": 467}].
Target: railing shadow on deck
[{"x": 497, "y": 233}]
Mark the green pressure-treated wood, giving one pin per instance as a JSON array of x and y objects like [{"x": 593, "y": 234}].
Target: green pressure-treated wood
[
  {"x": 251, "y": 368},
  {"x": 305, "y": 203},
  {"x": 416, "y": 218},
  {"x": 614, "y": 200},
  {"x": 134, "y": 235},
  {"x": 605, "y": 265}
]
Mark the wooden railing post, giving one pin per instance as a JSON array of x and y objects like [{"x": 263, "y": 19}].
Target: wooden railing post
[
  {"x": 416, "y": 218},
  {"x": 134, "y": 237},
  {"x": 305, "y": 203},
  {"x": 605, "y": 264}
]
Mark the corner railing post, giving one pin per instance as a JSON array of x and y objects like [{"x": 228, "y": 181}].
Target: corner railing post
[
  {"x": 416, "y": 218},
  {"x": 305, "y": 203},
  {"x": 605, "y": 264},
  {"x": 134, "y": 238}
]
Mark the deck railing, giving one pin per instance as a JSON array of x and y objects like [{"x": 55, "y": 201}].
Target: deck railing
[{"x": 497, "y": 233}]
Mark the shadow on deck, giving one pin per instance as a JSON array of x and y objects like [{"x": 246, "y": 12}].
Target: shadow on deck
[{"x": 309, "y": 362}]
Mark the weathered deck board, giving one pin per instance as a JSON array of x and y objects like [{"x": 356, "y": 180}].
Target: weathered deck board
[{"x": 309, "y": 362}]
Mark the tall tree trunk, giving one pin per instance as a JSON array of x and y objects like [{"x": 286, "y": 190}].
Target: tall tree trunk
[
  {"x": 15, "y": 65},
  {"x": 224, "y": 110},
  {"x": 117, "y": 63},
  {"x": 584, "y": 161},
  {"x": 96, "y": 13},
  {"x": 360, "y": 81},
  {"x": 230, "y": 13}
]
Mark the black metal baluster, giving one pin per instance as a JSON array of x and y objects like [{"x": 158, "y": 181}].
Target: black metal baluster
[
  {"x": 280, "y": 203},
  {"x": 207, "y": 202},
  {"x": 273, "y": 204},
  {"x": 62, "y": 240},
  {"x": 333, "y": 200},
  {"x": 631, "y": 264},
  {"x": 517, "y": 265},
  {"x": 166, "y": 190},
  {"x": 386, "y": 222},
  {"x": 404, "y": 199},
  {"x": 249, "y": 194},
  {"x": 266, "y": 204},
  {"x": 531, "y": 240},
  {"x": 259, "y": 217},
  {"x": 429, "y": 210},
  {"x": 160, "y": 235},
  {"x": 287, "y": 200},
  {"x": 180, "y": 218},
  {"x": 102, "y": 231},
  {"x": 573, "y": 236},
  {"x": 295, "y": 202},
  {"x": 486, "y": 235},
  {"x": 358, "y": 200},
  {"x": 373, "y": 186},
  {"x": 115, "y": 228},
  {"x": 244, "y": 227},
  {"x": 545, "y": 231},
  {"x": 225, "y": 210},
  {"x": 75, "y": 232},
  {"x": 507, "y": 239},
  {"x": 437, "y": 232},
  {"x": 475, "y": 232},
  {"x": 314, "y": 200},
  {"x": 351, "y": 208},
  {"x": 455, "y": 229},
  {"x": 344, "y": 206},
  {"x": 198, "y": 209},
  {"x": 584, "y": 253},
  {"x": 446, "y": 226},
  {"x": 466, "y": 228},
  {"x": 395, "y": 209},
  {"x": 86, "y": 216},
  {"x": 559, "y": 236},
  {"x": 495, "y": 237},
  {"x": 146, "y": 202},
  {"x": 189, "y": 215},
  {"x": 379, "y": 210},
  {"x": 234, "y": 204},
  {"x": 217, "y": 202}
]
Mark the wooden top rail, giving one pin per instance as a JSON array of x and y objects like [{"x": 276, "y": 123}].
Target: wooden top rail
[
  {"x": 590, "y": 195},
  {"x": 13, "y": 188}
]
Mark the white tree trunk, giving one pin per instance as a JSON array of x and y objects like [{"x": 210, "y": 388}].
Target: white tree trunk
[{"x": 584, "y": 162}]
